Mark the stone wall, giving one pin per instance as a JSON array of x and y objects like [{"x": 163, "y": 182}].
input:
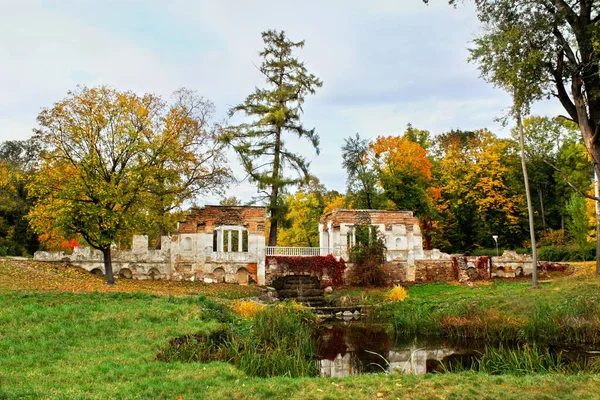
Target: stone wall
[
  {"x": 237, "y": 256},
  {"x": 137, "y": 263},
  {"x": 511, "y": 264},
  {"x": 434, "y": 270},
  {"x": 400, "y": 230}
]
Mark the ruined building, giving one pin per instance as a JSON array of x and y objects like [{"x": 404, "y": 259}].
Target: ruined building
[{"x": 227, "y": 244}]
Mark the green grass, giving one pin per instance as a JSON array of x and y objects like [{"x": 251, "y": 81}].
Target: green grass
[
  {"x": 276, "y": 341},
  {"x": 104, "y": 345},
  {"x": 563, "y": 310}
]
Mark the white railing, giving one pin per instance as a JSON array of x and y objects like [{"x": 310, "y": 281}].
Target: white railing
[{"x": 296, "y": 251}]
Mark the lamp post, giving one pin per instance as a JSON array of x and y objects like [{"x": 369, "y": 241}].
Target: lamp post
[{"x": 496, "y": 240}]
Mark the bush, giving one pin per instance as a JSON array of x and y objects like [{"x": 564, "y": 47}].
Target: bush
[
  {"x": 277, "y": 341},
  {"x": 247, "y": 308},
  {"x": 398, "y": 293},
  {"x": 567, "y": 253},
  {"x": 368, "y": 259}
]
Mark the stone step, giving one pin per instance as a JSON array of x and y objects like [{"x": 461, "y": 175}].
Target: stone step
[
  {"x": 304, "y": 292},
  {"x": 311, "y": 301},
  {"x": 288, "y": 286},
  {"x": 296, "y": 280}
]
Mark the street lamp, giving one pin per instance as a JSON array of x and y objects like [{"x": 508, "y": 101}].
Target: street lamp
[{"x": 496, "y": 240}]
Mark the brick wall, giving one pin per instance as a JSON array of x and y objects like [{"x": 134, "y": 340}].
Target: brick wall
[
  {"x": 205, "y": 220},
  {"x": 434, "y": 270},
  {"x": 370, "y": 217}
]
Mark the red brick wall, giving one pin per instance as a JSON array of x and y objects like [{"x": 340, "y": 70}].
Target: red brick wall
[
  {"x": 370, "y": 217},
  {"x": 205, "y": 220}
]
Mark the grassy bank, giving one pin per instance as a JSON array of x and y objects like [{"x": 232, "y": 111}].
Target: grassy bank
[
  {"x": 565, "y": 309},
  {"x": 72, "y": 346},
  {"x": 103, "y": 345}
]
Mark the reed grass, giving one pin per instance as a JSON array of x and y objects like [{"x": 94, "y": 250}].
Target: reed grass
[
  {"x": 277, "y": 341},
  {"x": 501, "y": 312},
  {"x": 524, "y": 360}
]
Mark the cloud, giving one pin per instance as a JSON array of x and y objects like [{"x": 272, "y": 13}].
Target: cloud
[{"x": 383, "y": 63}]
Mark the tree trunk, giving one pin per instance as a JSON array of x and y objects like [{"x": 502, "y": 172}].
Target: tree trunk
[
  {"x": 534, "y": 280},
  {"x": 274, "y": 197},
  {"x": 108, "y": 272},
  {"x": 597, "y": 193},
  {"x": 273, "y": 231},
  {"x": 542, "y": 207}
]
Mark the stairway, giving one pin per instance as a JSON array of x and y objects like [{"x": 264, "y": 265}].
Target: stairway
[{"x": 304, "y": 289}]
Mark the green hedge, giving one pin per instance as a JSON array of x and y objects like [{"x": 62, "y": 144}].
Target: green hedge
[{"x": 567, "y": 253}]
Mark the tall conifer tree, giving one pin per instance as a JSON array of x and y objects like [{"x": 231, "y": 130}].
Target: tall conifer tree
[{"x": 275, "y": 110}]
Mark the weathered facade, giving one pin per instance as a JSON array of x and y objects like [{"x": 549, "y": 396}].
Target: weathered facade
[
  {"x": 400, "y": 230},
  {"x": 213, "y": 244},
  {"x": 227, "y": 244},
  {"x": 224, "y": 244}
]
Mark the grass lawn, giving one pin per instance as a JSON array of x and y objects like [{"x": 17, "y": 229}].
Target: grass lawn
[{"x": 81, "y": 339}]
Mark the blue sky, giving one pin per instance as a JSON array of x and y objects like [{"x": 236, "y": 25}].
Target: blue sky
[{"x": 384, "y": 64}]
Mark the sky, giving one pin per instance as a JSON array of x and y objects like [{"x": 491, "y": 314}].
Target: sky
[{"x": 383, "y": 63}]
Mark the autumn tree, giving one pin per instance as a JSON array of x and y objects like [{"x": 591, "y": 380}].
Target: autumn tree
[
  {"x": 17, "y": 168},
  {"x": 108, "y": 157},
  {"x": 260, "y": 144},
  {"x": 546, "y": 48},
  {"x": 542, "y": 137},
  {"x": 361, "y": 180},
  {"x": 480, "y": 190},
  {"x": 404, "y": 172},
  {"x": 194, "y": 162}
]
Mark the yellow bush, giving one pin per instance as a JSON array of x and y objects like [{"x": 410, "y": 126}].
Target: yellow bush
[
  {"x": 398, "y": 293},
  {"x": 246, "y": 308}
]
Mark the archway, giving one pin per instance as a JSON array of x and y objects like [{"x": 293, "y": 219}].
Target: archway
[
  {"x": 125, "y": 273},
  {"x": 97, "y": 271},
  {"x": 242, "y": 275},
  {"x": 154, "y": 274},
  {"x": 219, "y": 275}
]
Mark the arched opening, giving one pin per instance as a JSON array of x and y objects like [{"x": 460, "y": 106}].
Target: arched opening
[
  {"x": 219, "y": 275},
  {"x": 125, "y": 273},
  {"x": 154, "y": 274},
  {"x": 519, "y": 272},
  {"x": 242, "y": 275},
  {"x": 500, "y": 273},
  {"x": 97, "y": 271},
  {"x": 187, "y": 244}
]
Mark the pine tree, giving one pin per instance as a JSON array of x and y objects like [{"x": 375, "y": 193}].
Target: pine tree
[{"x": 259, "y": 144}]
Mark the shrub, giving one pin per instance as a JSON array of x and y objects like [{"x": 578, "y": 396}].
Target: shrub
[
  {"x": 368, "y": 258},
  {"x": 567, "y": 253},
  {"x": 246, "y": 308},
  {"x": 277, "y": 341},
  {"x": 398, "y": 293}
]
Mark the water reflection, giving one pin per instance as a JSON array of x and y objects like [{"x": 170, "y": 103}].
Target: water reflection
[{"x": 356, "y": 348}]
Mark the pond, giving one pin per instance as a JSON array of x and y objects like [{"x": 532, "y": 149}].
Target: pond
[{"x": 347, "y": 348}]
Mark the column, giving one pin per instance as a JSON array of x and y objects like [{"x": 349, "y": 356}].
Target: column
[
  {"x": 220, "y": 239},
  {"x": 229, "y": 240},
  {"x": 240, "y": 240}
]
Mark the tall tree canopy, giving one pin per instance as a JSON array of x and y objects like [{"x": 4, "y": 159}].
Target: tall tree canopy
[
  {"x": 480, "y": 189},
  {"x": 17, "y": 167},
  {"x": 361, "y": 181},
  {"x": 108, "y": 157},
  {"x": 260, "y": 144},
  {"x": 546, "y": 48}
]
